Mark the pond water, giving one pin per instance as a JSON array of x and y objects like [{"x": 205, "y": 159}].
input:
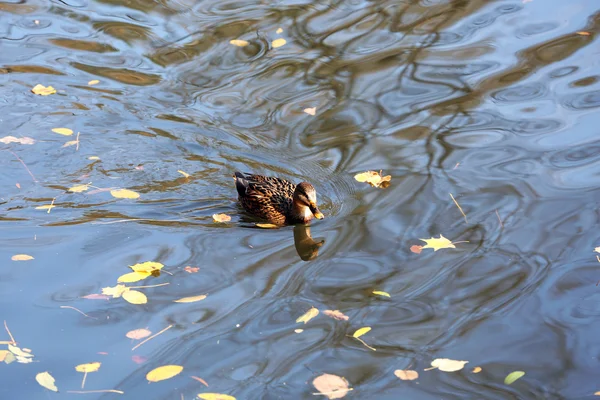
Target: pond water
[{"x": 494, "y": 102}]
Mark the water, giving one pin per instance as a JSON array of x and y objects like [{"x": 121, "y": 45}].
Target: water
[{"x": 495, "y": 102}]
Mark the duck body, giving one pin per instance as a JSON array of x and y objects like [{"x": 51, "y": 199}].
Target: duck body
[{"x": 277, "y": 200}]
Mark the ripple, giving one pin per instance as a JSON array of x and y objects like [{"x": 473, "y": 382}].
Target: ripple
[
  {"x": 582, "y": 101},
  {"x": 519, "y": 93}
]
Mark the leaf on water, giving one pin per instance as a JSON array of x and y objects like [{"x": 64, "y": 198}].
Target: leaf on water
[
  {"x": 90, "y": 367},
  {"x": 310, "y": 111},
  {"x": 138, "y": 334},
  {"x": 279, "y": 30},
  {"x": 374, "y": 179},
  {"x": 43, "y": 90},
  {"x": 191, "y": 299},
  {"x": 95, "y": 296},
  {"x": 448, "y": 365},
  {"x": 63, "y": 131},
  {"x": 93, "y": 158},
  {"x": 406, "y": 374},
  {"x": 202, "y": 381},
  {"x": 336, "y": 314},
  {"x": 133, "y": 277},
  {"x": 476, "y": 370},
  {"x": 138, "y": 359},
  {"x": 9, "y": 358},
  {"x": 221, "y": 218},
  {"x": 597, "y": 394},
  {"x": 164, "y": 372},
  {"x": 46, "y": 380},
  {"x": 215, "y": 396},
  {"x": 79, "y": 188},
  {"x": 18, "y": 352},
  {"x": 307, "y": 316},
  {"x": 438, "y": 243},
  {"x": 583, "y": 33},
  {"x": 361, "y": 332},
  {"x": 70, "y": 143},
  {"x": 191, "y": 270},
  {"x": 12, "y": 139},
  {"x": 416, "y": 249},
  {"x": 45, "y": 207},
  {"x": 380, "y": 293},
  {"x": 93, "y": 82},
  {"x": 298, "y": 330},
  {"x": 267, "y": 226},
  {"x": 115, "y": 291},
  {"x": 124, "y": 194},
  {"x": 3, "y": 354},
  {"x": 21, "y": 257},
  {"x": 278, "y": 43},
  {"x": 332, "y": 386},
  {"x": 185, "y": 174},
  {"x": 135, "y": 297},
  {"x": 238, "y": 42},
  {"x": 513, "y": 376},
  {"x": 147, "y": 266}
]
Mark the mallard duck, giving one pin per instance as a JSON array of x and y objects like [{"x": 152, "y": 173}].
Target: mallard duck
[{"x": 277, "y": 200}]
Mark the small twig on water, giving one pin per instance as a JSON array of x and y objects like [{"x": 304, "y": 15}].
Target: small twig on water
[
  {"x": 96, "y": 391},
  {"x": 152, "y": 337},
  {"x": 499, "y": 220},
  {"x": 25, "y": 165},
  {"x": 79, "y": 311},
  {"x": 461, "y": 210},
  {"x": 14, "y": 342}
]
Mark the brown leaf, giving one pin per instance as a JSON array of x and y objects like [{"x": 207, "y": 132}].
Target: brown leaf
[
  {"x": 374, "y": 179},
  {"x": 202, "y": 381},
  {"x": 221, "y": 218},
  {"x": 138, "y": 359},
  {"x": 137, "y": 334},
  {"x": 191, "y": 270},
  {"x": 12, "y": 139},
  {"x": 416, "y": 249},
  {"x": 336, "y": 314},
  {"x": 583, "y": 33},
  {"x": 332, "y": 386},
  {"x": 406, "y": 374},
  {"x": 21, "y": 257}
]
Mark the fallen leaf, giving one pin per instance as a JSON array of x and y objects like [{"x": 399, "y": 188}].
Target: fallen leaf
[
  {"x": 9, "y": 358},
  {"x": 102, "y": 353},
  {"x": 221, "y": 218},
  {"x": 336, "y": 314},
  {"x": 63, "y": 131},
  {"x": 416, "y": 249},
  {"x": 138, "y": 359},
  {"x": 93, "y": 82},
  {"x": 185, "y": 174},
  {"x": 45, "y": 207},
  {"x": 135, "y": 297},
  {"x": 124, "y": 194},
  {"x": 18, "y": 185},
  {"x": 385, "y": 294},
  {"x": 3, "y": 354},
  {"x": 448, "y": 365},
  {"x": 202, "y": 381},
  {"x": 583, "y": 33},
  {"x": 476, "y": 370},
  {"x": 279, "y": 30},
  {"x": 138, "y": 334},
  {"x": 307, "y": 316},
  {"x": 115, "y": 291},
  {"x": 21, "y": 257},
  {"x": 12, "y": 139},
  {"x": 18, "y": 352},
  {"x": 70, "y": 143},
  {"x": 238, "y": 42},
  {"x": 79, "y": 188},
  {"x": 597, "y": 394},
  {"x": 43, "y": 90},
  {"x": 278, "y": 43},
  {"x": 310, "y": 111},
  {"x": 438, "y": 243},
  {"x": 406, "y": 374},
  {"x": 95, "y": 296},
  {"x": 513, "y": 376},
  {"x": 215, "y": 396},
  {"x": 191, "y": 299},
  {"x": 361, "y": 332},
  {"x": 93, "y": 158},
  {"x": 374, "y": 179},
  {"x": 267, "y": 226},
  {"x": 164, "y": 372},
  {"x": 133, "y": 277},
  {"x": 332, "y": 386},
  {"x": 191, "y": 270},
  {"x": 23, "y": 360},
  {"x": 46, "y": 380},
  {"x": 90, "y": 367},
  {"x": 298, "y": 330}
]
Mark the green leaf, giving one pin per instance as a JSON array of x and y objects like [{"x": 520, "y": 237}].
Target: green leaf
[{"x": 513, "y": 376}]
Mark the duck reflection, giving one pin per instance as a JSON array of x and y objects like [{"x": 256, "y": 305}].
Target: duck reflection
[{"x": 306, "y": 247}]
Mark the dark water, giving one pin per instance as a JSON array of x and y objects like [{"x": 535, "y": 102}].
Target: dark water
[{"x": 495, "y": 102}]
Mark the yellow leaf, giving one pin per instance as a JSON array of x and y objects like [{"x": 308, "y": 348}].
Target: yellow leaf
[
  {"x": 191, "y": 299},
  {"x": 18, "y": 352},
  {"x": 46, "y": 380},
  {"x": 513, "y": 376},
  {"x": 115, "y": 291},
  {"x": 448, "y": 365},
  {"x": 238, "y": 42},
  {"x": 583, "y": 33},
  {"x": 438, "y": 243},
  {"x": 4, "y": 354},
  {"x": 137, "y": 334},
  {"x": 476, "y": 370},
  {"x": 215, "y": 396},
  {"x": 164, "y": 372},
  {"x": 43, "y": 90},
  {"x": 374, "y": 179},
  {"x": 332, "y": 386},
  {"x": 45, "y": 207},
  {"x": 93, "y": 82},
  {"x": 79, "y": 188},
  {"x": 10, "y": 357},
  {"x": 406, "y": 374},
  {"x": 147, "y": 266},
  {"x": 221, "y": 218},
  {"x": 597, "y": 394},
  {"x": 90, "y": 367},
  {"x": 310, "y": 111},
  {"x": 124, "y": 194},
  {"x": 298, "y": 330},
  {"x": 135, "y": 297},
  {"x": 185, "y": 174},
  {"x": 267, "y": 226},
  {"x": 93, "y": 158},
  {"x": 70, "y": 143},
  {"x": 386, "y": 294},
  {"x": 278, "y": 43},
  {"x": 307, "y": 316},
  {"x": 361, "y": 332},
  {"x": 21, "y": 257},
  {"x": 63, "y": 131},
  {"x": 133, "y": 277}
]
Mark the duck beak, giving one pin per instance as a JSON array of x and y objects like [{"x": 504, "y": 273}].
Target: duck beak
[{"x": 315, "y": 210}]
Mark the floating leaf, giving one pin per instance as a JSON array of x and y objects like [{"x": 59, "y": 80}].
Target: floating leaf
[
  {"x": 164, "y": 372},
  {"x": 10, "y": 357},
  {"x": 416, "y": 249},
  {"x": 310, "y": 111},
  {"x": 476, "y": 370},
  {"x": 93, "y": 158},
  {"x": 115, "y": 291},
  {"x": 93, "y": 82},
  {"x": 374, "y": 179},
  {"x": 386, "y": 294},
  {"x": 135, "y": 297},
  {"x": 191, "y": 299},
  {"x": 63, "y": 131},
  {"x": 191, "y": 270},
  {"x": 138, "y": 334},
  {"x": 185, "y": 174},
  {"x": 238, "y": 42},
  {"x": 278, "y": 43},
  {"x": 45, "y": 207},
  {"x": 12, "y": 139},
  {"x": 21, "y": 257},
  {"x": 361, "y": 332},
  {"x": 18, "y": 352},
  {"x": 438, "y": 243},
  {"x": 70, "y": 143},
  {"x": 336, "y": 314},
  {"x": 79, "y": 188},
  {"x": 3, "y": 354},
  {"x": 90, "y": 367},
  {"x": 215, "y": 396},
  {"x": 95, "y": 296},
  {"x": 46, "y": 380},
  {"x": 221, "y": 218},
  {"x": 133, "y": 277},
  {"x": 202, "y": 381},
  {"x": 147, "y": 266},
  {"x": 279, "y": 30},
  {"x": 124, "y": 194},
  {"x": 513, "y": 376},
  {"x": 267, "y": 226},
  {"x": 43, "y": 90},
  {"x": 332, "y": 386},
  {"x": 448, "y": 365},
  {"x": 406, "y": 374},
  {"x": 583, "y": 33},
  {"x": 307, "y": 316},
  {"x": 298, "y": 330}
]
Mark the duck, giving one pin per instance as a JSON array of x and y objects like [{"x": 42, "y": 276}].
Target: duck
[{"x": 277, "y": 200}]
